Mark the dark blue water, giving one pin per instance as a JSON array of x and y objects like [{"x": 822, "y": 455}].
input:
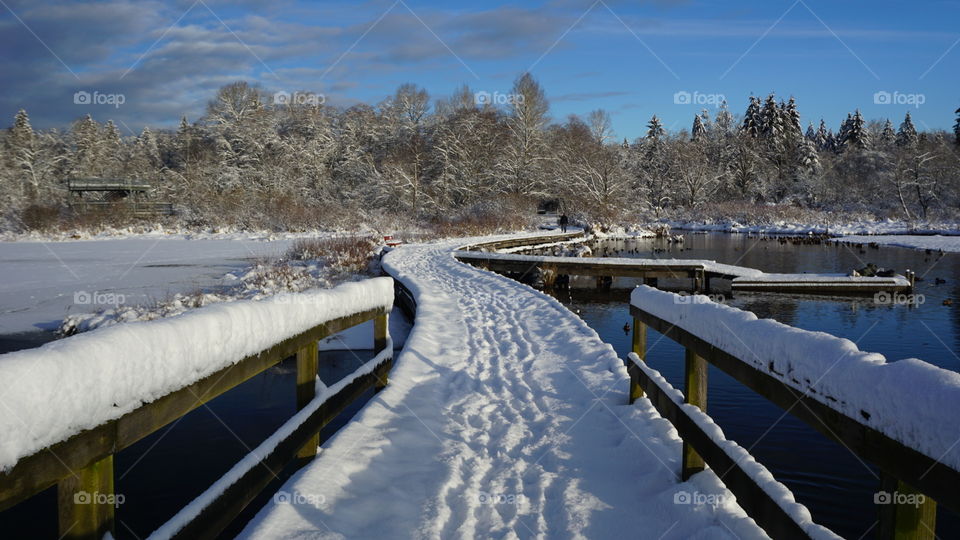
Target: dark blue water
[{"x": 836, "y": 486}]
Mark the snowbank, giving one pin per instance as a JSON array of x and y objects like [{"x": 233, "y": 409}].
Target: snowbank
[
  {"x": 935, "y": 242},
  {"x": 888, "y": 227},
  {"x": 55, "y": 391},
  {"x": 908, "y": 400}
]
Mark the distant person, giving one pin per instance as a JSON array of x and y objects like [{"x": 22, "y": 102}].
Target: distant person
[{"x": 563, "y": 223}]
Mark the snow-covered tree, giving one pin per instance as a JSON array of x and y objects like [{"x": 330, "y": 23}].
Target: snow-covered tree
[{"x": 907, "y": 134}]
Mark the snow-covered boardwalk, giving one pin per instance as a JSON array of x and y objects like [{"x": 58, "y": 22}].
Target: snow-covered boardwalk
[{"x": 505, "y": 416}]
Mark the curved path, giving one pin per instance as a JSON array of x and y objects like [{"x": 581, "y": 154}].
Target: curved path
[{"x": 505, "y": 417}]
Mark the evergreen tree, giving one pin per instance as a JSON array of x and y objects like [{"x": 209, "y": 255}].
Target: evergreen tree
[
  {"x": 956, "y": 129},
  {"x": 724, "y": 121},
  {"x": 811, "y": 135},
  {"x": 698, "y": 131},
  {"x": 19, "y": 147},
  {"x": 87, "y": 147},
  {"x": 752, "y": 119},
  {"x": 856, "y": 135},
  {"x": 907, "y": 135},
  {"x": 824, "y": 137},
  {"x": 793, "y": 118},
  {"x": 887, "y": 136},
  {"x": 655, "y": 131}
]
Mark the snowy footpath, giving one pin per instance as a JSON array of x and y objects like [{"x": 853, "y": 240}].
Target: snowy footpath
[{"x": 505, "y": 417}]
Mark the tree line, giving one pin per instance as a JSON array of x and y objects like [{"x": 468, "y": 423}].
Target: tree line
[{"x": 256, "y": 164}]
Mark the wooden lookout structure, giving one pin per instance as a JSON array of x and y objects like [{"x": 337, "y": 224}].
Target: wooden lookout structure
[{"x": 115, "y": 193}]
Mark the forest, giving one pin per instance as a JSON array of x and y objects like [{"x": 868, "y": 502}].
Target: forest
[{"x": 254, "y": 163}]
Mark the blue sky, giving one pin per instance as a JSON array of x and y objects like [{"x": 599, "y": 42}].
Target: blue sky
[{"x": 629, "y": 58}]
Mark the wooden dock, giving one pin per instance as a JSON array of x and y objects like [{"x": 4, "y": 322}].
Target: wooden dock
[{"x": 701, "y": 272}]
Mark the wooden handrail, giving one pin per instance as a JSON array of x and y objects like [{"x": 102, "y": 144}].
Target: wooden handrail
[
  {"x": 82, "y": 465},
  {"x": 905, "y": 469}
]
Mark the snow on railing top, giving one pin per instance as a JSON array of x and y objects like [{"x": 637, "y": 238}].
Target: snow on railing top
[
  {"x": 55, "y": 391},
  {"x": 909, "y": 400},
  {"x": 711, "y": 266}
]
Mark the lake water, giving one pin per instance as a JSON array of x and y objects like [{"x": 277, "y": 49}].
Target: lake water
[{"x": 836, "y": 486}]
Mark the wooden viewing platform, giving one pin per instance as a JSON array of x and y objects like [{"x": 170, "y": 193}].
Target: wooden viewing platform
[
  {"x": 702, "y": 272},
  {"x": 129, "y": 195}
]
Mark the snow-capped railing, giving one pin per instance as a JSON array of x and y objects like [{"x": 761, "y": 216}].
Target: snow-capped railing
[
  {"x": 70, "y": 405},
  {"x": 896, "y": 415}
]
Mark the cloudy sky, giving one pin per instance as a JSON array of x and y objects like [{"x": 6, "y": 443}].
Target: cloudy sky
[{"x": 149, "y": 62}]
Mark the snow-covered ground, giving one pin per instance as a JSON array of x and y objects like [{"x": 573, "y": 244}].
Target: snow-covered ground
[
  {"x": 505, "y": 417},
  {"x": 935, "y": 242},
  {"x": 888, "y": 227},
  {"x": 43, "y": 282}
]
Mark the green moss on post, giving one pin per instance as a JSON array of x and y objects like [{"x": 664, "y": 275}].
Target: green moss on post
[
  {"x": 86, "y": 502},
  {"x": 306, "y": 391},
  {"x": 695, "y": 393},
  {"x": 639, "y": 347}
]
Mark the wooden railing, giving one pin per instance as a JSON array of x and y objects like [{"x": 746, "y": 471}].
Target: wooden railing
[
  {"x": 82, "y": 466},
  {"x": 905, "y": 471}
]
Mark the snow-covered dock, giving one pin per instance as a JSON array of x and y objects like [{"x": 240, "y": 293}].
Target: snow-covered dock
[{"x": 701, "y": 271}]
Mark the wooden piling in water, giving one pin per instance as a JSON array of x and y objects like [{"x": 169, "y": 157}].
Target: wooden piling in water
[
  {"x": 86, "y": 502},
  {"x": 905, "y": 513},
  {"x": 639, "y": 347},
  {"x": 306, "y": 391},
  {"x": 694, "y": 393},
  {"x": 381, "y": 326}
]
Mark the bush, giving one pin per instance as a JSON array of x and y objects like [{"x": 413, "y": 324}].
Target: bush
[
  {"x": 344, "y": 253},
  {"x": 37, "y": 217}
]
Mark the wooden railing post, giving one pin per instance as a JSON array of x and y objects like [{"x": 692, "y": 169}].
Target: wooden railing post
[
  {"x": 381, "y": 327},
  {"x": 640, "y": 349},
  {"x": 695, "y": 393},
  {"x": 905, "y": 513},
  {"x": 86, "y": 502},
  {"x": 306, "y": 391}
]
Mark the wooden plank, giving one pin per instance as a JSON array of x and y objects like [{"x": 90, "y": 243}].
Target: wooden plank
[
  {"x": 930, "y": 476},
  {"x": 39, "y": 471},
  {"x": 905, "y": 513},
  {"x": 306, "y": 391},
  {"x": 86, "y": 502},
  {"x": 750, "y": 496},
  {"x": 215, "y": 517},
  {"x": 694, "y": 393}
]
